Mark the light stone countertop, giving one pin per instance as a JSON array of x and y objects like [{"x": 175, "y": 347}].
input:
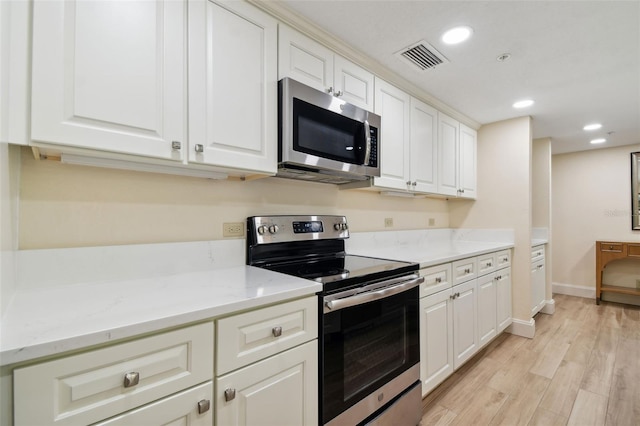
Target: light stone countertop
[
  {"x": 47, "y": 320},
  {"x": 70, "y": 299}
]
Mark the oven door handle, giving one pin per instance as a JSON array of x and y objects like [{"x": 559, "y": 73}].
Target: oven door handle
[{"x": 361, "y": 298}]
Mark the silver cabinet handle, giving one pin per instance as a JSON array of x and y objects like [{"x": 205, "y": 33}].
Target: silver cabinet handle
[
  {"x": 203, "y": 406},
  {"x": 199, "y": 147},
  {"x": 276, "y": 331},
  {"x": 330, "y": 90},
  {"x": 489, "y": 264},
  {"x": 131, "y": 379},
  {"x": 408, "y": 183},
  {"x": 438, "y": 279},
  {"x": 229, "y": 394},
  {"x": 506, "y": 259},
  {"x": 176, "y": 145},
  {"x": 338, "y": 93},
  {"x": 467, "y": 271}
]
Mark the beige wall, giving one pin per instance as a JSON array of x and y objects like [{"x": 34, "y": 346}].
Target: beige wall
[
  {"x": 591, "y": 201},
  {"x": 504, "y": 198},
  {"x": 9, "y": 174},
  {"x": 63, "y": 205},
  {"x": 541, "y": 183}
]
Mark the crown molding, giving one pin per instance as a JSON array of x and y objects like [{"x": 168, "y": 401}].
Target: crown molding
[{"x": 284, "y": 14}]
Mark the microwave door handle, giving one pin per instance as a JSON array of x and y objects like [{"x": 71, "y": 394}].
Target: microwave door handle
[{"x": 367, "y": 138}]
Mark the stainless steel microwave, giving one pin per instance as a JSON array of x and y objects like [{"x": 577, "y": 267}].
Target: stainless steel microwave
[{"x": 322, "y": 138}]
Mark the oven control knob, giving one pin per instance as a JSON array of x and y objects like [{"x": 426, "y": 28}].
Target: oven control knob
[
  {"x": 273, "y": 229},
  {"x": 262, "y": 229},
  {"x": 337, "y": 226},
  {"x": 344, "y": 227}
]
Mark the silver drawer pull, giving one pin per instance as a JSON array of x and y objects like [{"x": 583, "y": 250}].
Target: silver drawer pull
[
  {"x": 276, "y": 331},
  {"x": 204, "y": 406},
  {"x": 438, "y": 279},
  {"x": 131, "y": 379},
  {"x": 505, "y": 259},
  {"x": 489, "y": 264},
  {"x": 176, "y": 145},
  {"x": 229, "y": 394},
  {"x": 199, "y": 148},
  {"x": 467, "y": 271}
]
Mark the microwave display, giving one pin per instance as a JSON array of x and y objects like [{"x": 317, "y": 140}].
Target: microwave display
[{"x": 326, "y": 134}]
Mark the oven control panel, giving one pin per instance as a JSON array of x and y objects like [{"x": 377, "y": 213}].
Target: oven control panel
[{"x": 277, "y": 229}]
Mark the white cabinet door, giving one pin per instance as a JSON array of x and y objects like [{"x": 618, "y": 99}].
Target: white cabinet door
[
  {"x": 110, "y": 75},
  {"x": 353, "y": 83},
  {"x": 394, "y": 106},
  {"x": 537, "y": 286},
  {"x": 304, "y": 59},
  {"x": 232, "y": 86},
  {"x": 424, "y": 147},
  {"x": 436, "y": 339},
  {"x": 465, "y": 315},
  {"x": 468, "y": 160},
  {"x": 448, "y": 155},
  {"x": 281, "y": 390},
  {"x": 487, "y": 313},
  {"x": 179, "y": 409},
  {"x": 503, "y": 299}
]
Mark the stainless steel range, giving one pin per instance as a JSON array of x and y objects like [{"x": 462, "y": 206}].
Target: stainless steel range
[{"x": 369, "y": 344}]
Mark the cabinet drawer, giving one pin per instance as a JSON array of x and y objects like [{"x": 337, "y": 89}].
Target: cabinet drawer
[
  {"x": 255, "y": 335},
  {"x": 90, "y": 387},
  {"x": 611, "y": 247},
  {"x": 436, "y": 278},
  {"x": 633, "y": 250},
  {"x": 181, "y": 408},
  {"x": 537, "y": 253},
  {"x": 464, "y": 270},
  {"x": 503, "y": 259},
  {"x": 486, "y": 263}
]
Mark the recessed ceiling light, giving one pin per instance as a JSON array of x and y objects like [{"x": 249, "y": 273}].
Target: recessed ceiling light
[
  {"x": 457, "y": 35},
  {"x": 523, "y": 104},
  {"x": 594, "y": 126},
  {"x": 600, "y": 140}
]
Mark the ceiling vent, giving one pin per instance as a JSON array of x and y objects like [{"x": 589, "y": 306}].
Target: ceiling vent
[{"x": 422, "y": 55}]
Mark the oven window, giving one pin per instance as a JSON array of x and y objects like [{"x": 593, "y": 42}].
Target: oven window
[
  {"x": 326, "y": 134},
  {"x": 365, "y": 347}
]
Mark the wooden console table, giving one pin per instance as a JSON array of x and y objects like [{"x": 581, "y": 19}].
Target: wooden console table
[{"x": 607, "y": 251}]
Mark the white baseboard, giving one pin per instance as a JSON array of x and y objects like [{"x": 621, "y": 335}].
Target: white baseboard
[
  {"x": 523, "y": 328},
  {"x": 574, "y": 290},
  {"x": 549, "y": 307}
]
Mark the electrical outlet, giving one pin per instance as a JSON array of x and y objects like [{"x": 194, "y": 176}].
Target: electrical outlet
[
  {"x": 233, "y": 229},
  {"x": 388, "y": 222},
  {"x": 432, "y": 222}
]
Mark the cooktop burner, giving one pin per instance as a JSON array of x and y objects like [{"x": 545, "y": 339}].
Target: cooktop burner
[{"x": 312, "y": 247}]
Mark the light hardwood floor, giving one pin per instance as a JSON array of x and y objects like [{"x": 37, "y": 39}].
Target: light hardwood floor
[{"x": 582, "y": 368}]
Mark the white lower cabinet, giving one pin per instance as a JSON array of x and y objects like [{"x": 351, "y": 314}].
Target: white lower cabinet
[
  {"x": 280, "y": 390},
  {"x": 267, "y": 366},
  {"x": 487, "y": 308},
  {"x": 178, "y": 409},
  {"x": 99, "y": 384},
  {"x": 436, "y": 339},
  {"x": 503, "y": 298},
  {"x": 457, "y": 320},
  {"x": 538, "y": 279},
  {"x": 465, "y": 314}
]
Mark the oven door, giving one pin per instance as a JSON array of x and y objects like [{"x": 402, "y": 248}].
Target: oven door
[{"x": 370, "y": 342}]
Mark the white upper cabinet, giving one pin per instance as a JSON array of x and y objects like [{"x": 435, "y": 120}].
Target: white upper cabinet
[
  {"x": 232, "y": 86},
  {"x": 424, "y": 147},
  {"x": 310, "y": 63},
  {"x": 110, "y": 76},
  {"x": 468, "y": 160},
  {"x": 393, "y": 105},
  {"x": 457, "y": 146},
  {"x": 448, "y": 153}
]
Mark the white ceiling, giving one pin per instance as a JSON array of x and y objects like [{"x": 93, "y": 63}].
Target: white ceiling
[{"x": 578, "y": 60}]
